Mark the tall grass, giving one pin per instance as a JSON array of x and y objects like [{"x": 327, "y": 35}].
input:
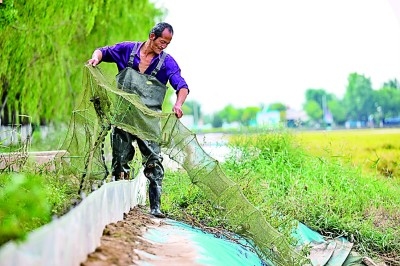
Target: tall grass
[
  {"x": 288, "y": 183},
  {"x": 328, "y": 195}
]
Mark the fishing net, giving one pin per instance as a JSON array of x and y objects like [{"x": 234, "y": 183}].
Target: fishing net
[{"x": 103, "y": 105}]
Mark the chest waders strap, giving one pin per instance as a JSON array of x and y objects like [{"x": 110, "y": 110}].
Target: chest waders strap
[
  {"x": 150, "y": 90},
  {"x": 132, "y": 56},
  {"x": 158, "y": 67}
]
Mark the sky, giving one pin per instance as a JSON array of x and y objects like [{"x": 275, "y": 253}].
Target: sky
[{"x": 258, "y": 52}]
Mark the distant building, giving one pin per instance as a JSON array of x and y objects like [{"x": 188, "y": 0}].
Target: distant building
[
  {"x": 268, "y": 118},
  {"x": 295, "y": 118}
]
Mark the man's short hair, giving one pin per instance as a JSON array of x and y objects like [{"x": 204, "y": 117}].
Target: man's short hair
[{"x": 160, "y": 27}]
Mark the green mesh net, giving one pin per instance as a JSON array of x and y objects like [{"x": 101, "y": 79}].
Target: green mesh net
[{"x": 104, "y": 105}]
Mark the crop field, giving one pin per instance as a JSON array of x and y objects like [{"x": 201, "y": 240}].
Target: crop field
[{"x": 373, "y": 150}]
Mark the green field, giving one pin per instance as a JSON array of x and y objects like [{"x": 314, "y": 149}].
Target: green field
[{"x": 373, "y": 150}]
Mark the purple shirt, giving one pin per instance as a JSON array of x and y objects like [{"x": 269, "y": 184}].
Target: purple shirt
[{"x": 120, "y": 53}]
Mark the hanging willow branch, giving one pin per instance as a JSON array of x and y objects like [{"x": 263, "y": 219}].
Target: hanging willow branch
[{"x": 47, "y": 58}]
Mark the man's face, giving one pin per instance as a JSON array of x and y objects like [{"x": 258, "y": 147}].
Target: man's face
[{"x": 162, "y": 42}]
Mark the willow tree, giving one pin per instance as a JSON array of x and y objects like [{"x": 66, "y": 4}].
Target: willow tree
[{"x": 44, "y": 45}]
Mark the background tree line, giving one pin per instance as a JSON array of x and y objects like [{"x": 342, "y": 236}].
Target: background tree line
[{"x": 360, "y": 103}]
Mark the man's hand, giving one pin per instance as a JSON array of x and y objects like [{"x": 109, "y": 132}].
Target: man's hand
[
  {"x": 93, "y": 61},
  {"x": 96, "y": 58},
  {"x": 177, "y": 109}
]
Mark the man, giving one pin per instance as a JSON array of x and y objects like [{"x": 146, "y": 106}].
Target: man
[{"x": 145, "y": 59}]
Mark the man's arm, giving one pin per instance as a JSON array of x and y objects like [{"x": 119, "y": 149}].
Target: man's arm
[
  {"x": 96, "y": 58},
  {"x": 180, "y": 99}
]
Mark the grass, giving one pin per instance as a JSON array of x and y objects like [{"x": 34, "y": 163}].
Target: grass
[
  {"x": 32, "y": 194},
  {"x": 326, "y": 193},
  {"x": 280, "y": 174},
  {"x": 29, "y": 200},
  {"x": 318, "y": 178}
]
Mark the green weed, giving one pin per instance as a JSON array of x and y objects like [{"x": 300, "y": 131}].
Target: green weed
[{"x": 278, "y": 175}]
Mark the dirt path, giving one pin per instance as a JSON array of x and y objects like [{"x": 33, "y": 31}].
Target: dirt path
[{"x": 122, "y": 243}]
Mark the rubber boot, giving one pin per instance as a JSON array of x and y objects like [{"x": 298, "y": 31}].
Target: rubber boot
[{"x": 155, "y": 201}]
